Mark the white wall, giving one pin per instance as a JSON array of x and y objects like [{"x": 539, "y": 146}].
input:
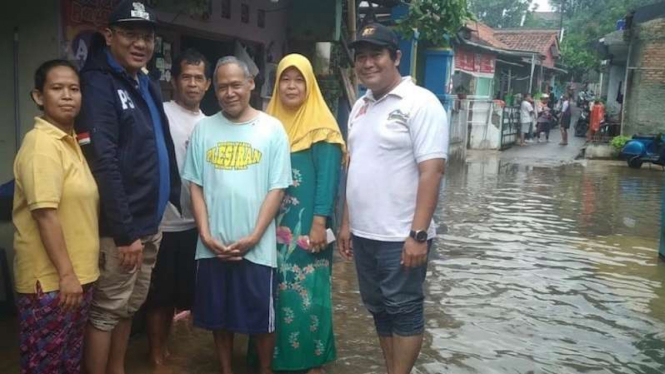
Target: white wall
[
  {"x": 485, "y": 130},
  {"x": 458, "y": 130}
]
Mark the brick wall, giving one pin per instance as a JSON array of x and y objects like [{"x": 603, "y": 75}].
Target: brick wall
[{"x": 646, "y": 84}]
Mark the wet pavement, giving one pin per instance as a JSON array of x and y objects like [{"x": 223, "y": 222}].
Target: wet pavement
[
  {"x": 545, "y": 153},
  {"x": 548, "y": 265}
]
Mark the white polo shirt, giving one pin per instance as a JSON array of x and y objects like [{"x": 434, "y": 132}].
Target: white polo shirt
[
  {"x": 181, "y": 125},
  {"x": 387, "y": 139}
]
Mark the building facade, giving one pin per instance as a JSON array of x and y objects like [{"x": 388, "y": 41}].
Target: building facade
[{"x": 635, "y": 68}]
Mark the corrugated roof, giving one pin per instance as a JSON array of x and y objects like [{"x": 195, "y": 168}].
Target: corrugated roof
[{"x": 649, "y": 12}]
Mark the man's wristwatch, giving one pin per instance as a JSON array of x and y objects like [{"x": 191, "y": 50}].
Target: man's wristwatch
[{"x": 418, "y": 235}]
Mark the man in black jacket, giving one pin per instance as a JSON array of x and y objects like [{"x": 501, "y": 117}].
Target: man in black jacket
[{"x": 126, "y": 139}]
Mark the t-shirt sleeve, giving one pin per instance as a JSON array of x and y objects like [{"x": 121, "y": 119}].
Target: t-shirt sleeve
[
  {"x": 280, "y": 161},
  {"x": 429, "y": 129},
  {"x": 41, "y": 177},
  {"x": 192, "y": 170}
]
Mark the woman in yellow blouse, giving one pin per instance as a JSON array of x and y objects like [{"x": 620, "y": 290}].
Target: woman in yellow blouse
[{"x": 56, "y": 237}]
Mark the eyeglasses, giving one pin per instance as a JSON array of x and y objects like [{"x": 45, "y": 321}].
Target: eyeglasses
[{"x": 134, "y": 36}]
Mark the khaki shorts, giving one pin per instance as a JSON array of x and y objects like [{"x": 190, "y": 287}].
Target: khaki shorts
[{"x": 118, "y": 293}]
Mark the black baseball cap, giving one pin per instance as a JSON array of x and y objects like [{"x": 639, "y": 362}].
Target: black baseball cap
[
  {"x": 376, "y": 34},
  {"x": 129, "y": 11}
]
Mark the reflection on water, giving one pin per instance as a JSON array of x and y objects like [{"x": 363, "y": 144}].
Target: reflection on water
[{"x": 542, "y": 270}]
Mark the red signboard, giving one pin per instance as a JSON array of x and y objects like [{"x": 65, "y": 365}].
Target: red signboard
[
  {"x": 486, "y": 63},
  {"x": 474, "y": 62},
  {"x": 464, "y": 60}
]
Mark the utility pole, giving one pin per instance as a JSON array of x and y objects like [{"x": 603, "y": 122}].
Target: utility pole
[
  {"x": 351, "y": 23},
  {"x": 561, "y": 21}
]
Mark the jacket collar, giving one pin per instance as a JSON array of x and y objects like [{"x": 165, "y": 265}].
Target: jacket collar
[{"x": 100, "y": 58}]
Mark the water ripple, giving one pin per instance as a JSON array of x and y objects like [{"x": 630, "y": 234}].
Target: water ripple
[{"x": 555, "y": 273}]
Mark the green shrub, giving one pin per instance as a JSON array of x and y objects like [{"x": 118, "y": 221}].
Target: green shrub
[{"x": 618, "y": 142}]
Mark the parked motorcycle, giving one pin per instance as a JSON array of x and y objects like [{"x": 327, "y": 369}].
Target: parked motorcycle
[
  {"x": 585, "y": 97},
  {"x": 644, "y": 148},
  {"x": 582, "y": 124},
  {"x": 581, "y": 98}
]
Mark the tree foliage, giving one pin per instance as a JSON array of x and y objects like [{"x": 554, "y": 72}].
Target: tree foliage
[
  {"x": 435, "y": 20},
  {"x": 585, "y": 22},
  {"x": 500, "y": 13}
]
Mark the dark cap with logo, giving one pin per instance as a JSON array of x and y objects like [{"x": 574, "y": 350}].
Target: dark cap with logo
[
  {"x": 129, "y": 11},
  {"x": 376, "y": 34}
]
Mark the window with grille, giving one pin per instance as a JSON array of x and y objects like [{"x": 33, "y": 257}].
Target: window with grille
[
  {"x": 244, "y": 13},
  {"x": 226, "y": 9},
  {"x": 261, "y": 18}
]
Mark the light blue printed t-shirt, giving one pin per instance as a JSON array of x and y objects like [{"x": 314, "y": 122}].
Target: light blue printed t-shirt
[{"x": 237, "y": 164}]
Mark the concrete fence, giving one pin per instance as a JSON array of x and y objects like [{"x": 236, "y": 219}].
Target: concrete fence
[
  {"x": 475, "y": 124},
  {"x": 458, "y": 133}
]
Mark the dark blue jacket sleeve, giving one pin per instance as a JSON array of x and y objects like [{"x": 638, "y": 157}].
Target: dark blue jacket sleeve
[{"x": 99, "y": 117}]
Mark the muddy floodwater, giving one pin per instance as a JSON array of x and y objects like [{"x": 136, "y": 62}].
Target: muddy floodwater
[{"x": 542, "y": 269}]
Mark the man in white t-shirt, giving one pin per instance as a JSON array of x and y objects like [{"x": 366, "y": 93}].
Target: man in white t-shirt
[
  {"x": 398, "y": 144},
  {"x": 526, "y": 117},
  {"x": 238, "y": 166},
  {"x": 173, "y": 279}
]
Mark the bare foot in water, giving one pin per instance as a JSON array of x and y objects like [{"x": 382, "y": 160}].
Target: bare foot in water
[{"x": 158, "y": 359}]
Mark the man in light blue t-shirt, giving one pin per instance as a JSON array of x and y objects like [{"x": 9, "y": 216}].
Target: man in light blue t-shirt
[{"x": 238, "y": 163}]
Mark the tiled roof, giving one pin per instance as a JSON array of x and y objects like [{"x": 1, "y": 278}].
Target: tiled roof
[
  {"x": 483, "y": 34},
  {"x": 527, "y": 39}
]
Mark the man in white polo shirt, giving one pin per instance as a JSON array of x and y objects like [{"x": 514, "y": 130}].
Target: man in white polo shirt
[{"x": 398, "y": 144}]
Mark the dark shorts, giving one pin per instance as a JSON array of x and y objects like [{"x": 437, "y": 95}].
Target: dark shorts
[
  {"x": 174, "y": 275},
  {"x": 565, "y": 123},
  {"x": 234, "y": 296},
  {"x": 392, "y": 293}
]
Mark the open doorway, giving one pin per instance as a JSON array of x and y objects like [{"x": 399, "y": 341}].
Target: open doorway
[{"x": 213, "y": 50}]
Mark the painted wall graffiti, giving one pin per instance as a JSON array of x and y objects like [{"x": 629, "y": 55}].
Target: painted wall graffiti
[{"x": 80, "y": 20}]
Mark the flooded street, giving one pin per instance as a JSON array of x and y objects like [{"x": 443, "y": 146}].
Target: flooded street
[
  {"x": 543, "y": 269},
  {"x": 548, "y": 270}
]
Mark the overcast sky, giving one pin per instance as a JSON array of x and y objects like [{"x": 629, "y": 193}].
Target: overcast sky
[{"x": 543, "y": 5}]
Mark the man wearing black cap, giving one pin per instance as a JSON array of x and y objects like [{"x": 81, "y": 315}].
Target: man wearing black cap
[
  {"x": 125, "y": 136},
  {"x": 387, "y": 226}
]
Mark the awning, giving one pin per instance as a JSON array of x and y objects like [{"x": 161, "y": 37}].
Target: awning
[
  {"x": 509, "y": 63},
  {"x": 558, "y": 70},
  {"x": 476, "y": 74}
]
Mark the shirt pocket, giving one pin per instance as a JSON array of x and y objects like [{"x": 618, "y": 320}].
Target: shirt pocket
[{"x": 394, "y": 134}]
